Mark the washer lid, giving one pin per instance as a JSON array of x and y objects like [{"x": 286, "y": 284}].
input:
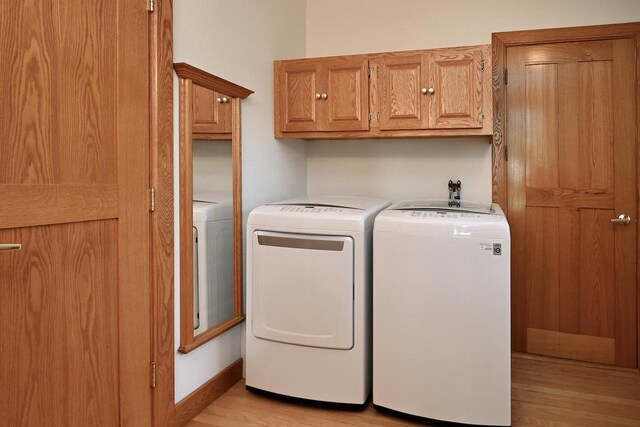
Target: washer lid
[{"x": 443, "y": 206}]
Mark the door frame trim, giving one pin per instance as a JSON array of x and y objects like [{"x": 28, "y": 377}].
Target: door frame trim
[
  {"x": 162, "y": 219},
  {"x": 499, "y": 43}
]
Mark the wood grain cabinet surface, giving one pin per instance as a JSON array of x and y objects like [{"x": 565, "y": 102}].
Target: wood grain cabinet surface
[
  {"x": 211, "y": 114},
  {"x": 320, "y": 95},
  {"x": 427, "y": 93}
]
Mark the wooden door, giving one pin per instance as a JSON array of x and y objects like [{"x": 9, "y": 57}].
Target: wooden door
[
  {"x": 211, "y": 112},
  {"x": 403, "y": 101},
  {"x": 571, "y": 135},
  {"x": 346, "y": 106},
  {"x": 74, "y": 178},
  {"x": 455, "y": 88},
  {"x": 299, "y": 95}
]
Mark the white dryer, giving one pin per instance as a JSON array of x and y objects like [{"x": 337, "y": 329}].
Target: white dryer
[
  {"x": 309, "y": 297},
  {"x": 212, "y": 260},
  {"x": 441, "y": 312}
]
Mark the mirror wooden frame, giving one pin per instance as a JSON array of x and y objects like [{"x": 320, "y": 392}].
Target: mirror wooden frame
[{"x": 190, "y": 75}]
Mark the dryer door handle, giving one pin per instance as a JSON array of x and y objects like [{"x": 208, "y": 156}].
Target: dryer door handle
[{"x": 300, "y": 243}]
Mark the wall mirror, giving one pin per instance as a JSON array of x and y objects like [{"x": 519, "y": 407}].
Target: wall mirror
[{"x": 210, "y": 206}]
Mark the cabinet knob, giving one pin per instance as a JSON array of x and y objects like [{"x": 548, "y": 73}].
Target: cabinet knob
[
  {"x": 317, "y": 96},
  {"x": 324, "y": 96},
  {"x": 424, "y": 90},
  {"x": 431, "y": 90},
  {"x": 219, "y": 100},
  {"x": 225, "y": 99}
]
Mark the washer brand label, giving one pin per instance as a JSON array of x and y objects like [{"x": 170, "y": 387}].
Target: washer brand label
[
  {"x": 486, "y": 246},
  {"x": 496, "y": 248}
]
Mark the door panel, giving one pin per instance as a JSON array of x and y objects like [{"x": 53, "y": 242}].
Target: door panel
[
  {"x": 74, "y": 179},
  {"x": 209, "y": 114},
  {"x": 402, "y": 103},
  {"x": 303, "y": 289},
  {"x": 456, "y": 78},
  {"x": 571, "y": 169},
  {"x": 299, "y": 82},
  {"x": 58, "y": 311},
  {"x": 347, "y": 85}
]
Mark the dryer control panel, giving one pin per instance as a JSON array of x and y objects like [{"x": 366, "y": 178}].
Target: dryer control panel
[{"x": 311, "y": 209}]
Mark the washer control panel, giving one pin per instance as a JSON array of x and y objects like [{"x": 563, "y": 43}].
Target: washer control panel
[{"x": 441, "y": 214}]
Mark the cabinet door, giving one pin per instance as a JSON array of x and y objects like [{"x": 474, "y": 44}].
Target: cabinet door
[
  {"x": 403, "y": 105},
  {"x": 210, "y": 113},
  {"x": 297, "y": 88},
  {"x": 455, "y": 75},
  {"x": 346, "y": 105}
]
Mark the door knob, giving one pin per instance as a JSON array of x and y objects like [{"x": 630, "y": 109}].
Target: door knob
[
  {"x": 5, "y": 247},
  {"x": 317, "y": 96},
  {"x": 324, "y": 96},
  {"x": 623, "y": 219}
]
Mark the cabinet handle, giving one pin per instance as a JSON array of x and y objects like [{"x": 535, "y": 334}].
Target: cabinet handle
[
  {"x": 317, "y": 96},
  {"x": 324, "y": 96}
]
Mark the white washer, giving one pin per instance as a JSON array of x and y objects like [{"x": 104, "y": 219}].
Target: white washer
[
  {"x": 212, "y": 260},
  {"x": 441, "y": 305},
  {"x": 309, "y": 297}
]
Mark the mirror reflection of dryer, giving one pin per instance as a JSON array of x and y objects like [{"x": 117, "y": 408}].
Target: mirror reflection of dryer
[{"x": 213, "y": 260}]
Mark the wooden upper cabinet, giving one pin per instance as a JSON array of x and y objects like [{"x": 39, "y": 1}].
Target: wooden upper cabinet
[
  {"x": 296, "y": 91},
  {"x": 402, "y": 104},
  {"x": 211, "y": 114},
  {"x": 455, "y": 78},
  {"x": 439, "y": 92},
  {"x": 323, "y": 95}
]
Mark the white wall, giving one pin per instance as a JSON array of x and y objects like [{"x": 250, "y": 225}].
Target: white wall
[
  {"x": 238, "y": 40},
  {"x": 398, "y": 169}
]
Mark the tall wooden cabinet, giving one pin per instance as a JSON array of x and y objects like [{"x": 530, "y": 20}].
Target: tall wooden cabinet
[
  {"x": 329, "y": 94},
  {"x": 440, "y": 92}
]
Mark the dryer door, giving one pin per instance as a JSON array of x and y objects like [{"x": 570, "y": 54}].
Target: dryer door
[{"x": 303, "y": 289}]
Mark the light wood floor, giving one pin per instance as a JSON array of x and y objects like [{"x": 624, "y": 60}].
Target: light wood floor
[{"x": 544, "y": 393}]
